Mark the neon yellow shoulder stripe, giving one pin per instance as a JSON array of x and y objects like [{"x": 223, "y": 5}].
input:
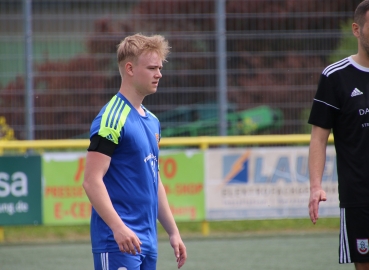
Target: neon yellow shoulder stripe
[{"x": 113, "y": 119}]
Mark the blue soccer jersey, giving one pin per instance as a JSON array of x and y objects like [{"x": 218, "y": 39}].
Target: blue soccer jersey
[{"x": 132, "y": 177}]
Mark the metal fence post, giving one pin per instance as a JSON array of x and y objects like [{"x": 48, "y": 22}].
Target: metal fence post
[
  {"x": 221, "y": 66},
  {"x": 29, "y": 105}
]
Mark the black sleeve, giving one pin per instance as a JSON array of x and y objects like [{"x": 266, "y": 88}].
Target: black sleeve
[
  {"x": 101, "y": 145},
  {"x": 326, "y": 103}
]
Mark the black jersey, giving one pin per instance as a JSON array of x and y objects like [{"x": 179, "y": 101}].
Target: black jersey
[{"x": 341, "y": 103}]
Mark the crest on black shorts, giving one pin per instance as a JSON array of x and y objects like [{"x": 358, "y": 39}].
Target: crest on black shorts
[{"x": 362, "y": 246}]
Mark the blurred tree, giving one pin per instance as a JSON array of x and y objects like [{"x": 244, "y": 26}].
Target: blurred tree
[{"x": 346, "y": 46}]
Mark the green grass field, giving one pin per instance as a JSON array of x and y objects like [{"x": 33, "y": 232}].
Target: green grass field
[
  {"x": 25, "y": 234},
  {"x": 264, "y": 244},
  {"x": 278, "y": 252}
]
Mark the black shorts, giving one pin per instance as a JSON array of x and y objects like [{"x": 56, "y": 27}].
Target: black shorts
[{"x": 354, "y": 235}]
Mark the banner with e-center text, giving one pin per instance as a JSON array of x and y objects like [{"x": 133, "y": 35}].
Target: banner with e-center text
[{"x": 65, "y": 201}]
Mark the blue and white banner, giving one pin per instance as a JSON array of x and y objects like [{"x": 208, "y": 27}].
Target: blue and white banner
[{"x": 265, "y": 182}]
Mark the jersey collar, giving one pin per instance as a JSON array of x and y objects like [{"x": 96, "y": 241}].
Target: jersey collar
[{"x": 360, "y": 67}]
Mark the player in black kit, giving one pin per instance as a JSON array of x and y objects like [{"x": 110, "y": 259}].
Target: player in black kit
[{"x": 341, "y": 103}]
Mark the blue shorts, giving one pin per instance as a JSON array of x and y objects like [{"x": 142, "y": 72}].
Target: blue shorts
[{"x": 124, "y": 261}]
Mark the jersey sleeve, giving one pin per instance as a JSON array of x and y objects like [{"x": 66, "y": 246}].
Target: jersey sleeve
[
  {"x": 325, "y": 104},
  {"x": 110, "y": 121}
]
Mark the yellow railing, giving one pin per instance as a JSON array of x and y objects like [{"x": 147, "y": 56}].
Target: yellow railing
[{"x": 202, "y": 142}]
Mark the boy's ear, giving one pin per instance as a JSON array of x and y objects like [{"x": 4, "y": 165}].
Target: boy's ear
[{"x": 129, "y": 68}]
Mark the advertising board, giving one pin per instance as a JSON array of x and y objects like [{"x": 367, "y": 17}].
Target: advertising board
[
  {"x": 20, "y": 190},
  {"x": 265, "y": 182}
]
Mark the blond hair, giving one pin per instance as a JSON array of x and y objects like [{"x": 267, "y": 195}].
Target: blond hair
[{"x": 133, "y": 46}]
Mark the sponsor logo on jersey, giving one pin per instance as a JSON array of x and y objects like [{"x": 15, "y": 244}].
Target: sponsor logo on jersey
[
  {"x": 362, "y": 246},
  {"x": 356, "y": 92},
  {"x": 152, "y": 160},
  {"x": 363, "y": 111}
]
